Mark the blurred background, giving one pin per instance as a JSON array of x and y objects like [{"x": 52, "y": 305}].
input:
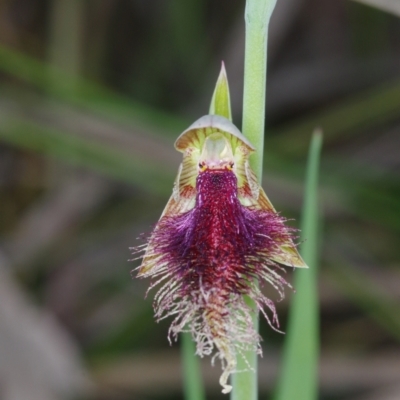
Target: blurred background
[{"x": 93, "y": 94}]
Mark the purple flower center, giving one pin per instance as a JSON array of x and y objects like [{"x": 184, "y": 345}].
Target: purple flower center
[{"x": 219, "y": 242}]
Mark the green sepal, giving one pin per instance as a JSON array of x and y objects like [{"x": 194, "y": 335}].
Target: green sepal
[{"x": 221, "y": 100}]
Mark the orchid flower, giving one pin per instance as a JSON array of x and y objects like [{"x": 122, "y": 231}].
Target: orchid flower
[{"x": 218, "y": 239}]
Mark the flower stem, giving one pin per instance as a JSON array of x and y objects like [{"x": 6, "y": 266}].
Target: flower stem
[
  {"x": 257, "y": 16},
  {"x": 192, "y": 382}
]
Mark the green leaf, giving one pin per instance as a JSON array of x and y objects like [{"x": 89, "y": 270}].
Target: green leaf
[{"x": 299, "y": 375}]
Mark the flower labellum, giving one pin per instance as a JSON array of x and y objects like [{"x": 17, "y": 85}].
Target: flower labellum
[{"x": 218, "y": 237}]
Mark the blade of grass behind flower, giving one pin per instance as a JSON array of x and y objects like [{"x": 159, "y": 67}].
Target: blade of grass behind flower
[{"x": 299, "y": 373}]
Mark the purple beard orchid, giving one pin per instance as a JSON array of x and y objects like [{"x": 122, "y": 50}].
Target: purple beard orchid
[{"x": 218, "y": 238}]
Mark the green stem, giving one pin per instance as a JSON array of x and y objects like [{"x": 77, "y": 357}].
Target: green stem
[
  {"x": 192, "y": 382},
  {"x": 257, "y": 16}
]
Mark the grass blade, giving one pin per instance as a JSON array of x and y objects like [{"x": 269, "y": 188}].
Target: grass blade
[{"x": 299, "y": 377}]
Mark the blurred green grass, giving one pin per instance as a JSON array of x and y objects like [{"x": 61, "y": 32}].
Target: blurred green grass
[
  {"x": 360, "y": 193},
  {"x": 360, "y": 199}
]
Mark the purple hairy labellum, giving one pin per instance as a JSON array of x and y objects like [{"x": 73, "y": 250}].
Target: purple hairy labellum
[{"x": 218, "y": 238}]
